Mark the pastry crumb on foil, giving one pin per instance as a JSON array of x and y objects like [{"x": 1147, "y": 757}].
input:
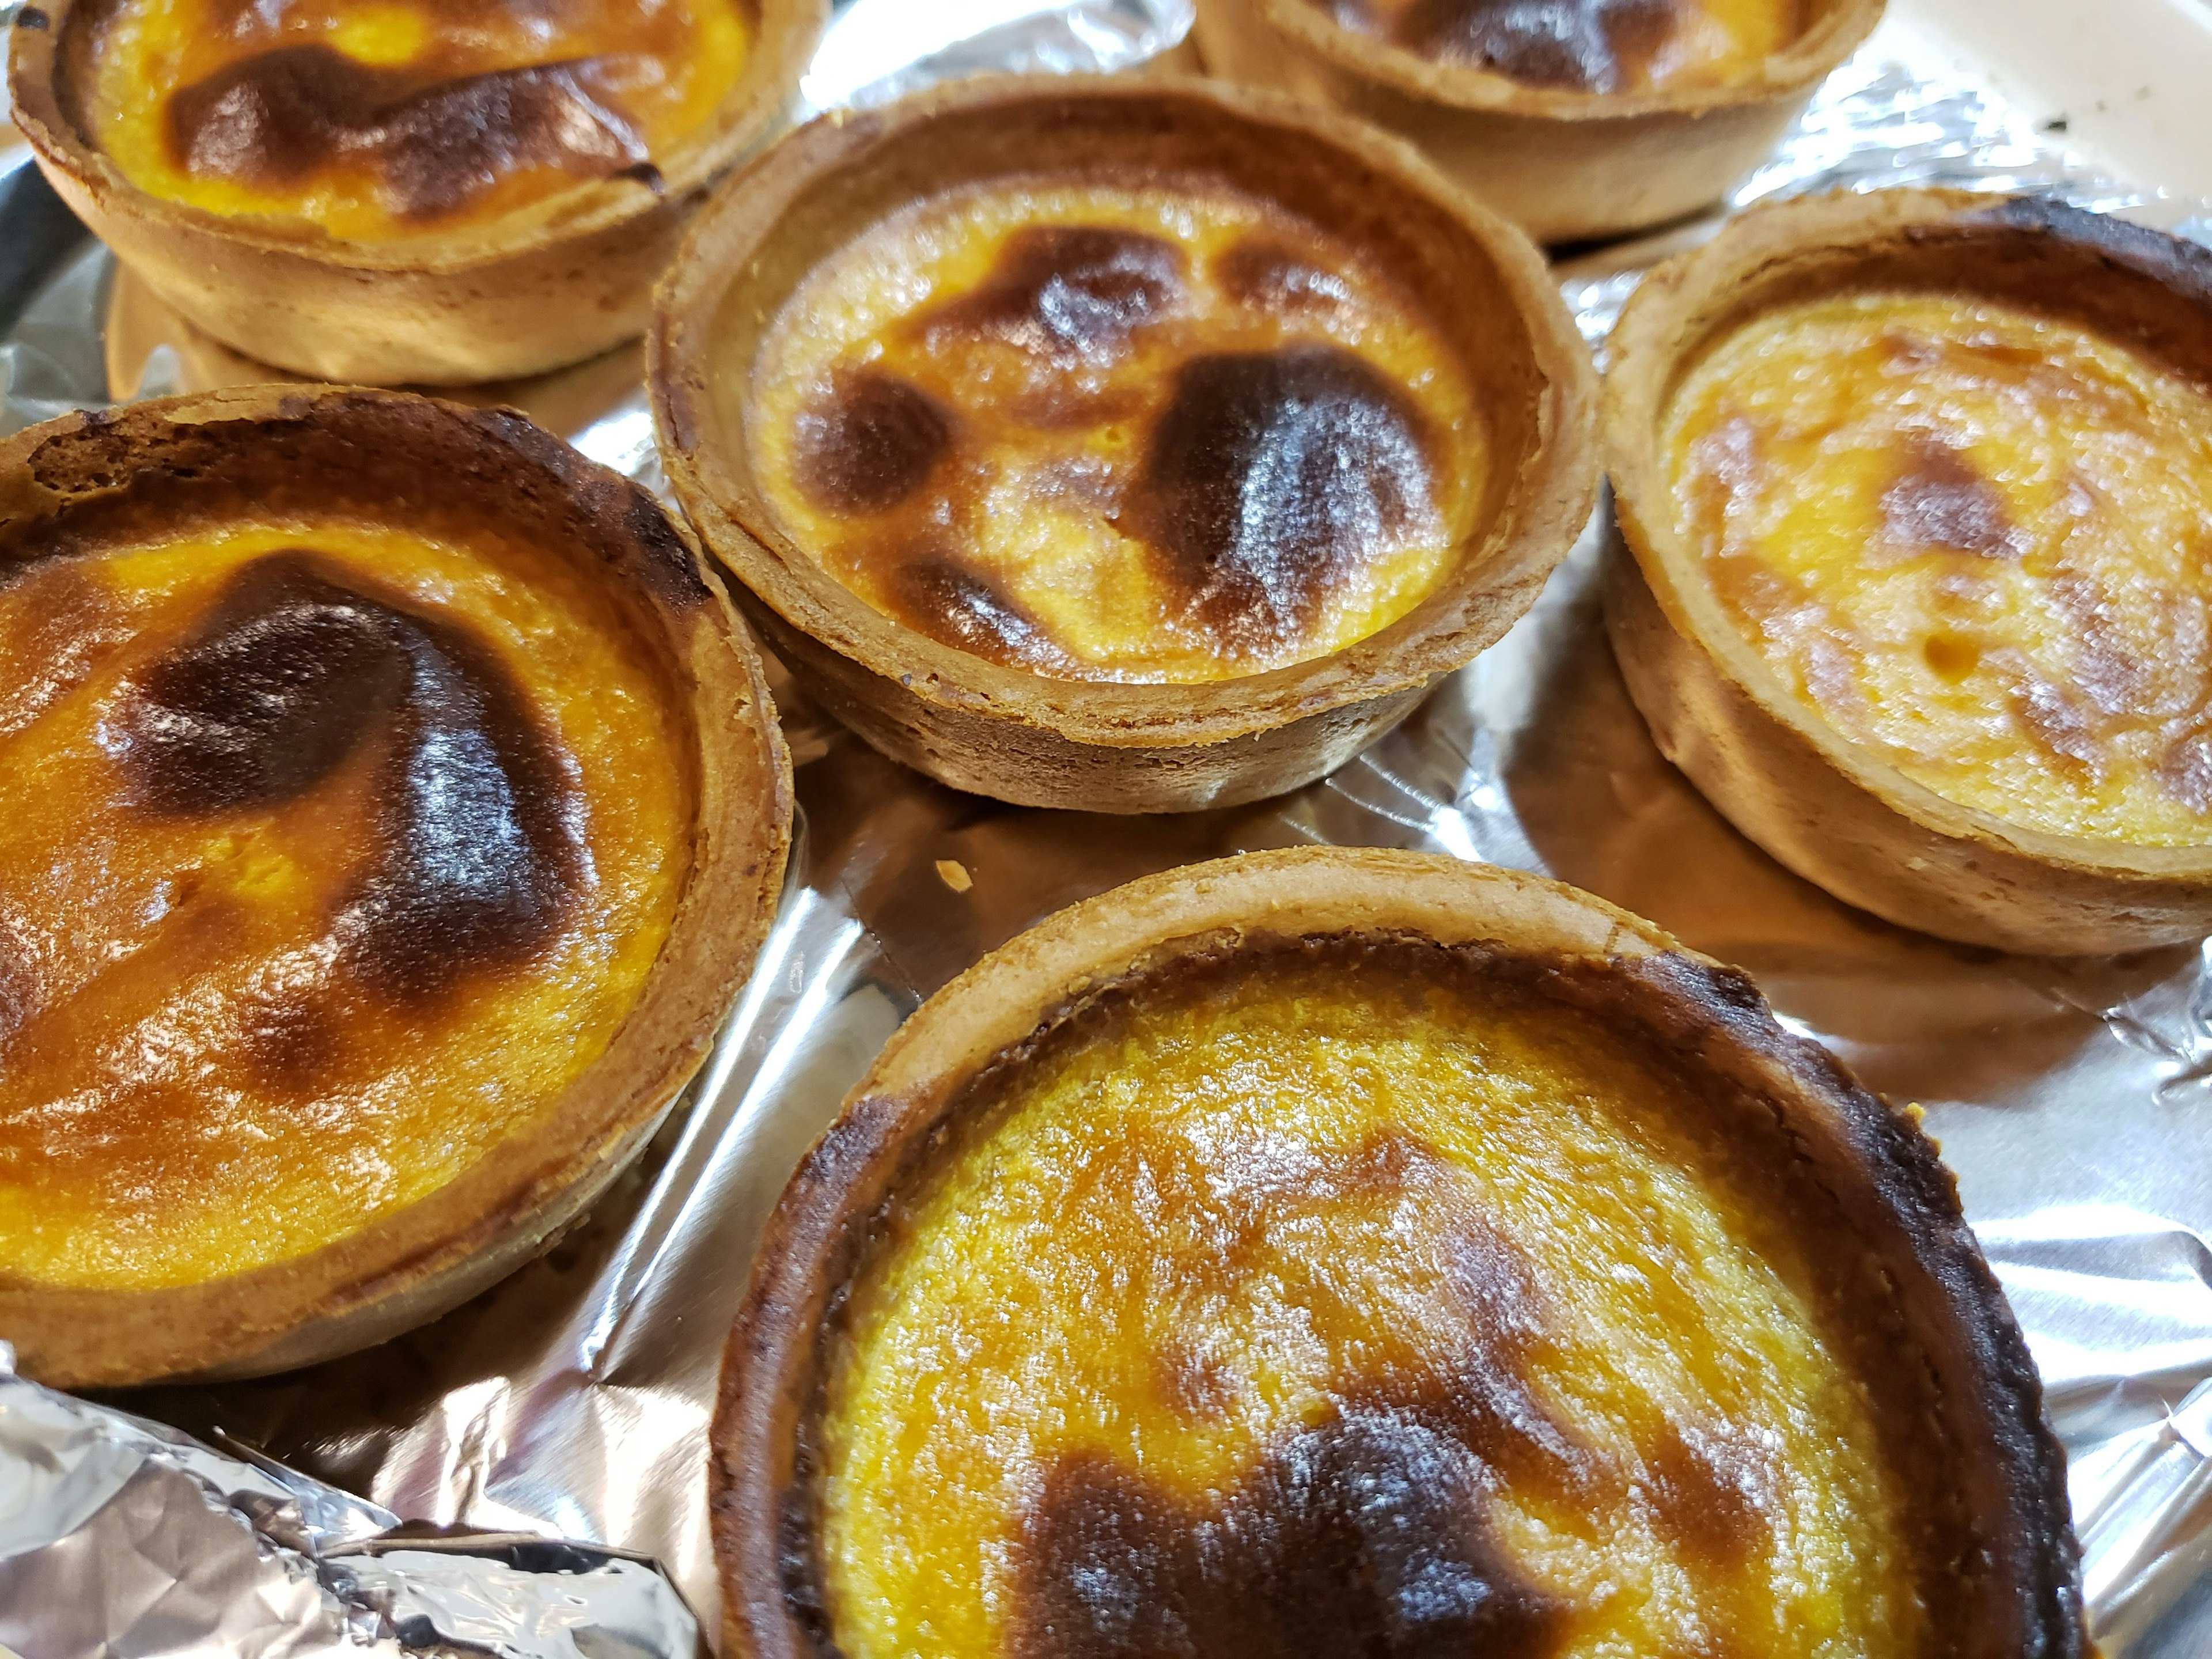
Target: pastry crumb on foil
[{"x": 2073, "y": 1099}]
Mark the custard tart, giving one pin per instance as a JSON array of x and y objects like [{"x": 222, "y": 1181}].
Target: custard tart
[
  {"x": 1574, "y": 118},
  {"x": 1918, "y": 487},
  {"x": 1351, "y": 1252},
  {"x": 1132, "y": 447},
  {"x": 440, "y": 191},
  {"x": 394, "y": 808}
]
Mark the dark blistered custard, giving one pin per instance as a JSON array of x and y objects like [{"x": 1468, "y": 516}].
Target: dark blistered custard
[
  {"x": 1588, "y": 45},
  {"x": 1978, "y": 541},
  {"x": 331, "y": 855},
  {"x": 1151, "y": 430},
  {"x": 379, "y": 118},
  {"x": 1344, "y": 1300}
]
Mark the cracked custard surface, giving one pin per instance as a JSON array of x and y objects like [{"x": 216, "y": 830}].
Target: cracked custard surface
[
  {"x": 332, "y": 853},
  {"x": 1978, "y": 540},
  {"x": 1150, "y": 429},
  {"x": 374, "y": 120},
  {"x": 1349, "y": 1300},
  {"x": 1588, "y": 45}
]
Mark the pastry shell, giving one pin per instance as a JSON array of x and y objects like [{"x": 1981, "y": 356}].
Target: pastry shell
[
  {"x": 1562, "y": 163},
  {"x": 1095, "y": 745},
  {"x": 285, "y": 449},
  {"x": 1831, "y": 810},
  {"x": 548, "y": 285},
  {"x": 1897, "y": 1203}
]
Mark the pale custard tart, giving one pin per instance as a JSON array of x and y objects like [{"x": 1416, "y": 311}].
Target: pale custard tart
[
  {"x": 1574, "y": 118},
  {"x": 1920, "y": 490},
  {"x": 394, "y": 807},
  {"x": 1347, "y": 1252},
  {"x": 1126, "y": 447},
  {"x": 441, "y": 191}
]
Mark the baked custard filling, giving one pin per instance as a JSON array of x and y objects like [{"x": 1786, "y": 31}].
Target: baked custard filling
[
  {"x": 375, "y": 120},
  {"x": 1588, "y": 45},
  {"x": 332, "y": 853},
  {"x": 1344, "y": 1298},
  {"x": 1978, "y": 540},
  {"x": 1150, "y": 428}
]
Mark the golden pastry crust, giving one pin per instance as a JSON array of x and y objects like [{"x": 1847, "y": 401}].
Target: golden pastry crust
[
  {"x": 347, "y": 1073},
  {"x": 1583, "y": 142},
  {"x": 1404, "y": 1454},
  {"x": 391, "y": 264},
  {"x": 1836, "y": 808},
  {"x": 1038, "y": 739}
]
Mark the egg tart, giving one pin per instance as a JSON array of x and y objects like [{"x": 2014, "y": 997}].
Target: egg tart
[
  {"x": 1574, "y": 118},
  {"x": 394, "y": 808},
  {"x": 441, "y": 191},
  {"x": 1918, "y": 487},
  {"x": 1341, "y": 1251},
  {"x": 1129, "y": 447}
]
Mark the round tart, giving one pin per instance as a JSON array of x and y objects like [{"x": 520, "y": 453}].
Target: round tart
[
  {"x": 1132, "y": 448},
  {"x": 1920, "y": 490},
  {"x": 378, "y": 861},
  {"x": 440, "y": 191},
  {"x": 1339, "y": 1251},
  {"x": 1576, "y": 119}
]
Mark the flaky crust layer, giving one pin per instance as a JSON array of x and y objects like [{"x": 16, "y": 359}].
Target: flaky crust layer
[
  {"x": 1895, "y": 1199},
  {"x": 1100, "y": 746},
  {"x": 325, "y": 449},
  {"x": 1831, "y": 809},
  {"x": 1562, "y": 164},
  {"x": 515, "y": 297}
]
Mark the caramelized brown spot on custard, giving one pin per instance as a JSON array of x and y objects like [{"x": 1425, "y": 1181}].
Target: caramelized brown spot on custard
[
  {"x": 1072, "y": 293},
  {"x": 1030, "y": 381},
  {"x": 1261, "y": 272},
  {"x": 286, "y": 115},
  {"x": 295, "y": 672},
  {"x": 1940, "y": 500},
  {"x": 343, "y": 850},
  {"x": 961, "y": 609},
  {"x": 870, "y": 443},
  {"x": 1712, "y": 1492},
  {"x": 1587, "y": 45},
  {"x": 1272, "y": 474},
  {"x": 1362, "y": 1536}
]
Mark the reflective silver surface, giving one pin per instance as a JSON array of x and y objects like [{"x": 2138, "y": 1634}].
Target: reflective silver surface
[{"x": 2072, "y": 1098}]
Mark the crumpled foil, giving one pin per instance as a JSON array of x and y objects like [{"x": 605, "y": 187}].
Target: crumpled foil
[
  {"x": 2072, "y": 1098},
  {"x": 121, "y": 1535}
]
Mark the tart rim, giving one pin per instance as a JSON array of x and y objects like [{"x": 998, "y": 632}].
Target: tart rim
[
  {"x": 827, "y": 1220},
  {"x": 412, "y": 1263},
  {"x": 740, "y": 528},
  {"x": 1687, "y": 307},
  {"x": 785, "y": 33}
]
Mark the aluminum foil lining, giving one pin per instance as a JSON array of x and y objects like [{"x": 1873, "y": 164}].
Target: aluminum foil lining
[
  {"x": 2073, "y": 1099},
  {"x": 121, "y": 1535}
]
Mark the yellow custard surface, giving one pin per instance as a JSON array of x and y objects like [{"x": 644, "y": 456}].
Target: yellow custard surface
[
  {"x": 1588, "y": 45},
  {"x": 377, "y": 120},
  {"x": 332, "y": 853},
  {"x": 1146, "y": 430},
  {"x": 1334, "y": 1306},
  {"x": 1978, "y": 540}
]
